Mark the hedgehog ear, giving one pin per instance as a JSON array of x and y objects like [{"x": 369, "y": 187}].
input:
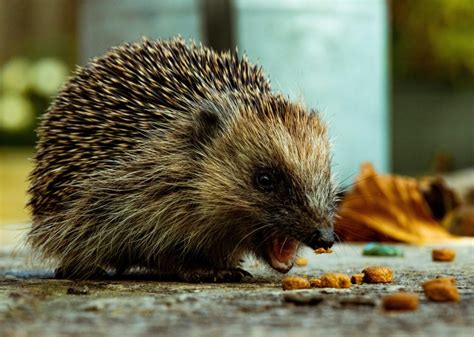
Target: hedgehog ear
[{"x": 206, "y": 125}]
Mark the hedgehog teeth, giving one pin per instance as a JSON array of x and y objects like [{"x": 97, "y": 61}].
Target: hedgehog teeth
[{"x": 282, "y": 253}]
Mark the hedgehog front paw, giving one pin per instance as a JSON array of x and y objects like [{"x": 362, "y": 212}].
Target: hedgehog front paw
[{"x": 202, "y": 275}]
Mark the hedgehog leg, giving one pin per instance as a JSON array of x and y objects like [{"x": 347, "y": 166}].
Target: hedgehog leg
[
  {"x": 65, "y": 272},
  {"x": 201, "y": 275}
]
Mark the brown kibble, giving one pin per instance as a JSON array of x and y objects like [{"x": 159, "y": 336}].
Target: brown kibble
[
  {"x": 401, "y": 301},
  {"x": 448, "y": 280},
  {"x": 323, "y": 251},
  {"x": 295, "y": 282},
  {"x": 443, "y": 254},
  {"x": 315, "y": 282},
  {"x": 441, "y": 289},
  {"x": 301, "y": 261},
  {"x": 378, "y": 274},
  {"x": 335, "y": 280},
  {"x": 357, "y": 278}
]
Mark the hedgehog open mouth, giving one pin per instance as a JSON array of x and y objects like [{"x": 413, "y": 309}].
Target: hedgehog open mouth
[{"x": 282, "y": 252}]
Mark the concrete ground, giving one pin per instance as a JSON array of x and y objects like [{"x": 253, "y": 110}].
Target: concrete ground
[{"x": 31, "y": 304}]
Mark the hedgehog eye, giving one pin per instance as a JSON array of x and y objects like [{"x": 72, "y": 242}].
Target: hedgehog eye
[{"x": 265, "y": 180}]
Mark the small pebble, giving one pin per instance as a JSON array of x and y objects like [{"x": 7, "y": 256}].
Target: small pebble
[
  {"x": 378, "y": 249},
  {"x": 84, "y": 290}
]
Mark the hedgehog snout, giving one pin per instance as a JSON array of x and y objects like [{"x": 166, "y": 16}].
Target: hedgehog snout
[{"x": 321, "y": 238}]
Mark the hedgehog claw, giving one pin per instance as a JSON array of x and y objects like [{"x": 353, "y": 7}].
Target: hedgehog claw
[{"x": 202, "y": 275}]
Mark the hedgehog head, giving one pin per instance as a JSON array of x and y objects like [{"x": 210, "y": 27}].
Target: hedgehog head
[{"x": 265, "y": 176}]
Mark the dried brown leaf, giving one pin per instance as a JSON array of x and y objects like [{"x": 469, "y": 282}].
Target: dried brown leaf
[{"x": 387, "y": 208}]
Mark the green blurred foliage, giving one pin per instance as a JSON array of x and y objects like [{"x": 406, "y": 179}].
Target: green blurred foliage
[
  {"x": 26, "y": 89},
  {"x": 434, "y": 40}
]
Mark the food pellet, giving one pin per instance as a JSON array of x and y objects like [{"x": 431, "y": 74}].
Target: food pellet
[
  {"x": 315, "y": 282},
  {"x": 378, "y": 274},
  {"x": 323, "y": 251},
  {"x": 401, "y": 301},
  {"x": 335, "y": 280},
  {"x": 441, "y": 289},
  {"x": 295, "y": 282},
  {"x": 301, "y": 261},
  {"x": 357, "y": 278},
  {"x": 443, "y": 254}
]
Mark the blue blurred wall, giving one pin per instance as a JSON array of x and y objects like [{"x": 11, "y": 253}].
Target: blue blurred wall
[{"x": 333, "y": 55}]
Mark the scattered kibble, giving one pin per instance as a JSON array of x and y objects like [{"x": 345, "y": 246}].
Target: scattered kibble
[
  {"x": 315, "y": 282},
  {"x": 295, "y": 282},
  {"x": 378, "y": 274},
  {"x": 443, "y": 254},
  {"x": 335, "y": 280},
  {"x": 357, "y": 278},
  {"x": 401, "y": 301},
  {"x": 441, "y": 289},
  {"x": 301, "y": 261},
  {"x": 323, "y": 251}
]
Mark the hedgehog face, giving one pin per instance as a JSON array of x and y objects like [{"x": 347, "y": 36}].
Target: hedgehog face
[
  {"x": 291, "y": 216},
  {"x": 268, "y": 175}
]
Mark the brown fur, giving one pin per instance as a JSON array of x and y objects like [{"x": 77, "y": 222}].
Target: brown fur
[{"x": 147, "y": 156}]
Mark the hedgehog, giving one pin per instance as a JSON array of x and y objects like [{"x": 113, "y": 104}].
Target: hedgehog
[{"x": 167, "y": 157}]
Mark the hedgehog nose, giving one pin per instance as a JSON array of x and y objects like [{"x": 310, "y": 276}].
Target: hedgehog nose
[{"x": 321, "y": 238}]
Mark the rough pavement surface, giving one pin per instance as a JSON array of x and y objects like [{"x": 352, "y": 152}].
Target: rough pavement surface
[{"x": 31, "y": 304}]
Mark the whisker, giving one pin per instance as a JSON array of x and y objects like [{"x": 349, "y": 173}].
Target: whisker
[
  {"x": 247, "y": 235},
  {"x": 283, "y": 245}
]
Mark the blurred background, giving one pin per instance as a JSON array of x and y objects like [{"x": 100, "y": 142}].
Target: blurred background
[{"x": 395, "y": 79}]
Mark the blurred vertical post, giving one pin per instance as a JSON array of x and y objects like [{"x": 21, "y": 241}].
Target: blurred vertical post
[
  {"x": 218, "y": 24},
  {"x": 331, "y": 54}
]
